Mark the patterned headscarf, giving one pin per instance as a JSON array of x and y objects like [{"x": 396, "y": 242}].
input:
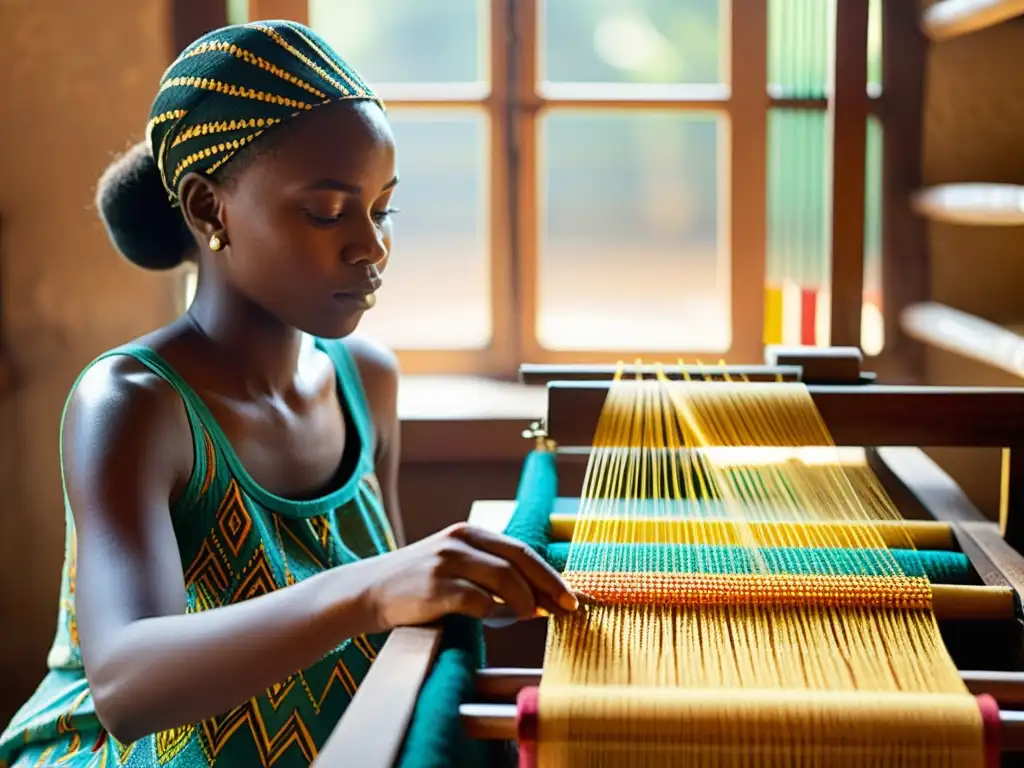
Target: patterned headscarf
[{"x": 234, "y": 83}]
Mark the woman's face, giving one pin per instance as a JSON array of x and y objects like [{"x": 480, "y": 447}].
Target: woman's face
[{"x": 307, "y": 221}]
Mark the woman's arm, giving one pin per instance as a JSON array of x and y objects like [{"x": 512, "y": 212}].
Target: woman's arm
[{"x": 127, "y": 451}]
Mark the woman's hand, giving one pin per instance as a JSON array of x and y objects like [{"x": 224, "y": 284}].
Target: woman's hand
[{"x": 462, "y": 570}]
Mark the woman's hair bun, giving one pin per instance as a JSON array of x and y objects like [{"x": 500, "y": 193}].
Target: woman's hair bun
[{"x": 138, "y": 215}]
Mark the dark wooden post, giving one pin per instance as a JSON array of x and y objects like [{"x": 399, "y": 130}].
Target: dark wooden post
[
  {"x": 905, "y": 268},
  {"x": 191, "y": 19}
]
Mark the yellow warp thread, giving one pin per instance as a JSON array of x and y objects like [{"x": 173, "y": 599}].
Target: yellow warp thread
[{"x": 709, "y": 669}]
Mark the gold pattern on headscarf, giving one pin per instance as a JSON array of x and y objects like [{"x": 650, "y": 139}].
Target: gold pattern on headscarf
[
  {"x": 233, "y": 90},
  {"x": 227, "y": 146},
  {"x": 273, "y": 35},
  {"x": 257, "y": 61},
  {"x": 353, "y": 86},
  {"x": 204, "y": 129}
]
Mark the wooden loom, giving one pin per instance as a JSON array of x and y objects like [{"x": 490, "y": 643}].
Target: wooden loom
[{"x": 979, "y": 621}]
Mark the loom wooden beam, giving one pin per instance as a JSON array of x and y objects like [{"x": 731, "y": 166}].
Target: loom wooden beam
[
  {"x": 994, "y": 551},
  {"x": 820, "y": 365},
  {"x": 499, "y": 685},
  {"x": 1005, "y": 563},
  {"x": 1011, "y": 497},
  {"x": 535, "y": 374},
  {"x": 1005, "y": 687},
  {"x": 925, "y": 483},
  {"x": 371, "y": 732},
  {"x": 867, "y": 415},
  {"x": 497, "y": 722}
]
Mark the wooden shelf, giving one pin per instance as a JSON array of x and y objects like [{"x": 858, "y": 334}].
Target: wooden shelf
[
  {"x": 974, "y": 204},
  {"x": 947, "y": 19},
  {"x": 964, "y": 334}
]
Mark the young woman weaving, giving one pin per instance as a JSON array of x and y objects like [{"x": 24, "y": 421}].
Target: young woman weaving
[{"x": 231, "y": 565}]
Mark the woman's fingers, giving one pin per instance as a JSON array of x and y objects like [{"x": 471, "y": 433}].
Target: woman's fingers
[
  {"x": 496, "y": 575},
  {"x": 544, "y": 580},
  {"x": 466, "y": 598}
]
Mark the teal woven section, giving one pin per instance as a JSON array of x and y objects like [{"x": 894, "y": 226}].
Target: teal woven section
[
  {"x": 937, "y": 566},
  {"x": 535, "y": 499}
]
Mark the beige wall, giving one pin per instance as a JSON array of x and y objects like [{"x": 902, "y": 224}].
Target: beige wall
[{"x": 77, "y": 83}]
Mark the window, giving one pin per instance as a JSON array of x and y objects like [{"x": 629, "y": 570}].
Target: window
[
  {"x": 798, "y": 301},
  {"x": 589, "y": 180}
]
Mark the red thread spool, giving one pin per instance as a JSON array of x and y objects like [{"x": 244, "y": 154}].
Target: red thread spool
[
  {"x": 527, "y": 706},
  {"x": 989, "y": 709}
]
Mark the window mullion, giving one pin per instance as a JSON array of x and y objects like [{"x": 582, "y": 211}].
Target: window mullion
[
  {"x": 848, "y": 115},
  {"x": 503, "y": 352},
  {"x": 526, "y": 194},
  {"x": 748, "y": 175}
]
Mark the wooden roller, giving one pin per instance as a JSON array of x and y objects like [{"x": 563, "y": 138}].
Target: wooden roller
[
  {"x": 501, "y": 685},
  {"x": 498, "y": 722},
  {"x": 921, "y": 534}
]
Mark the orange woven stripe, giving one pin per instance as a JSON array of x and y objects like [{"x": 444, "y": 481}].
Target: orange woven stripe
[{"x": 698, "y": 589}]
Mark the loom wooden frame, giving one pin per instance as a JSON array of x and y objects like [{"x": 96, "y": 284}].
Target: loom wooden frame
[{"x": 900, "y": 418}]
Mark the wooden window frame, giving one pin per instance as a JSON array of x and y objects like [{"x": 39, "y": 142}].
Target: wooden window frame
[
  {"x": 744, "y": 103},
  {"x": 514, "y": 99}
]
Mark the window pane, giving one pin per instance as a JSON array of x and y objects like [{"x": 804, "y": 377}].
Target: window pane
[
  {"x": 801, "y": 46},
  {"x": 630, "y": 215},
  {"x": 238, "y": 11},
  {"x": 406, "y": 41},
  {"x": 631, "y": 41},
  {"x": 875, "y": 46},
  {"x": 436, "y": 292},
  {"x": 798, "y": 302},
  {"x": 872, "y": 331},
  {"x": 797, "y": 271}
]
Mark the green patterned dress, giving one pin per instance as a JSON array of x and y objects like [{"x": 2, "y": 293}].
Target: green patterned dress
[{"x": 237, "y": 541}]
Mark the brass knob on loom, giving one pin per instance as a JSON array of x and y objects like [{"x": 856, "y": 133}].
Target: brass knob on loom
[{"x": 538, "y": 433}]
